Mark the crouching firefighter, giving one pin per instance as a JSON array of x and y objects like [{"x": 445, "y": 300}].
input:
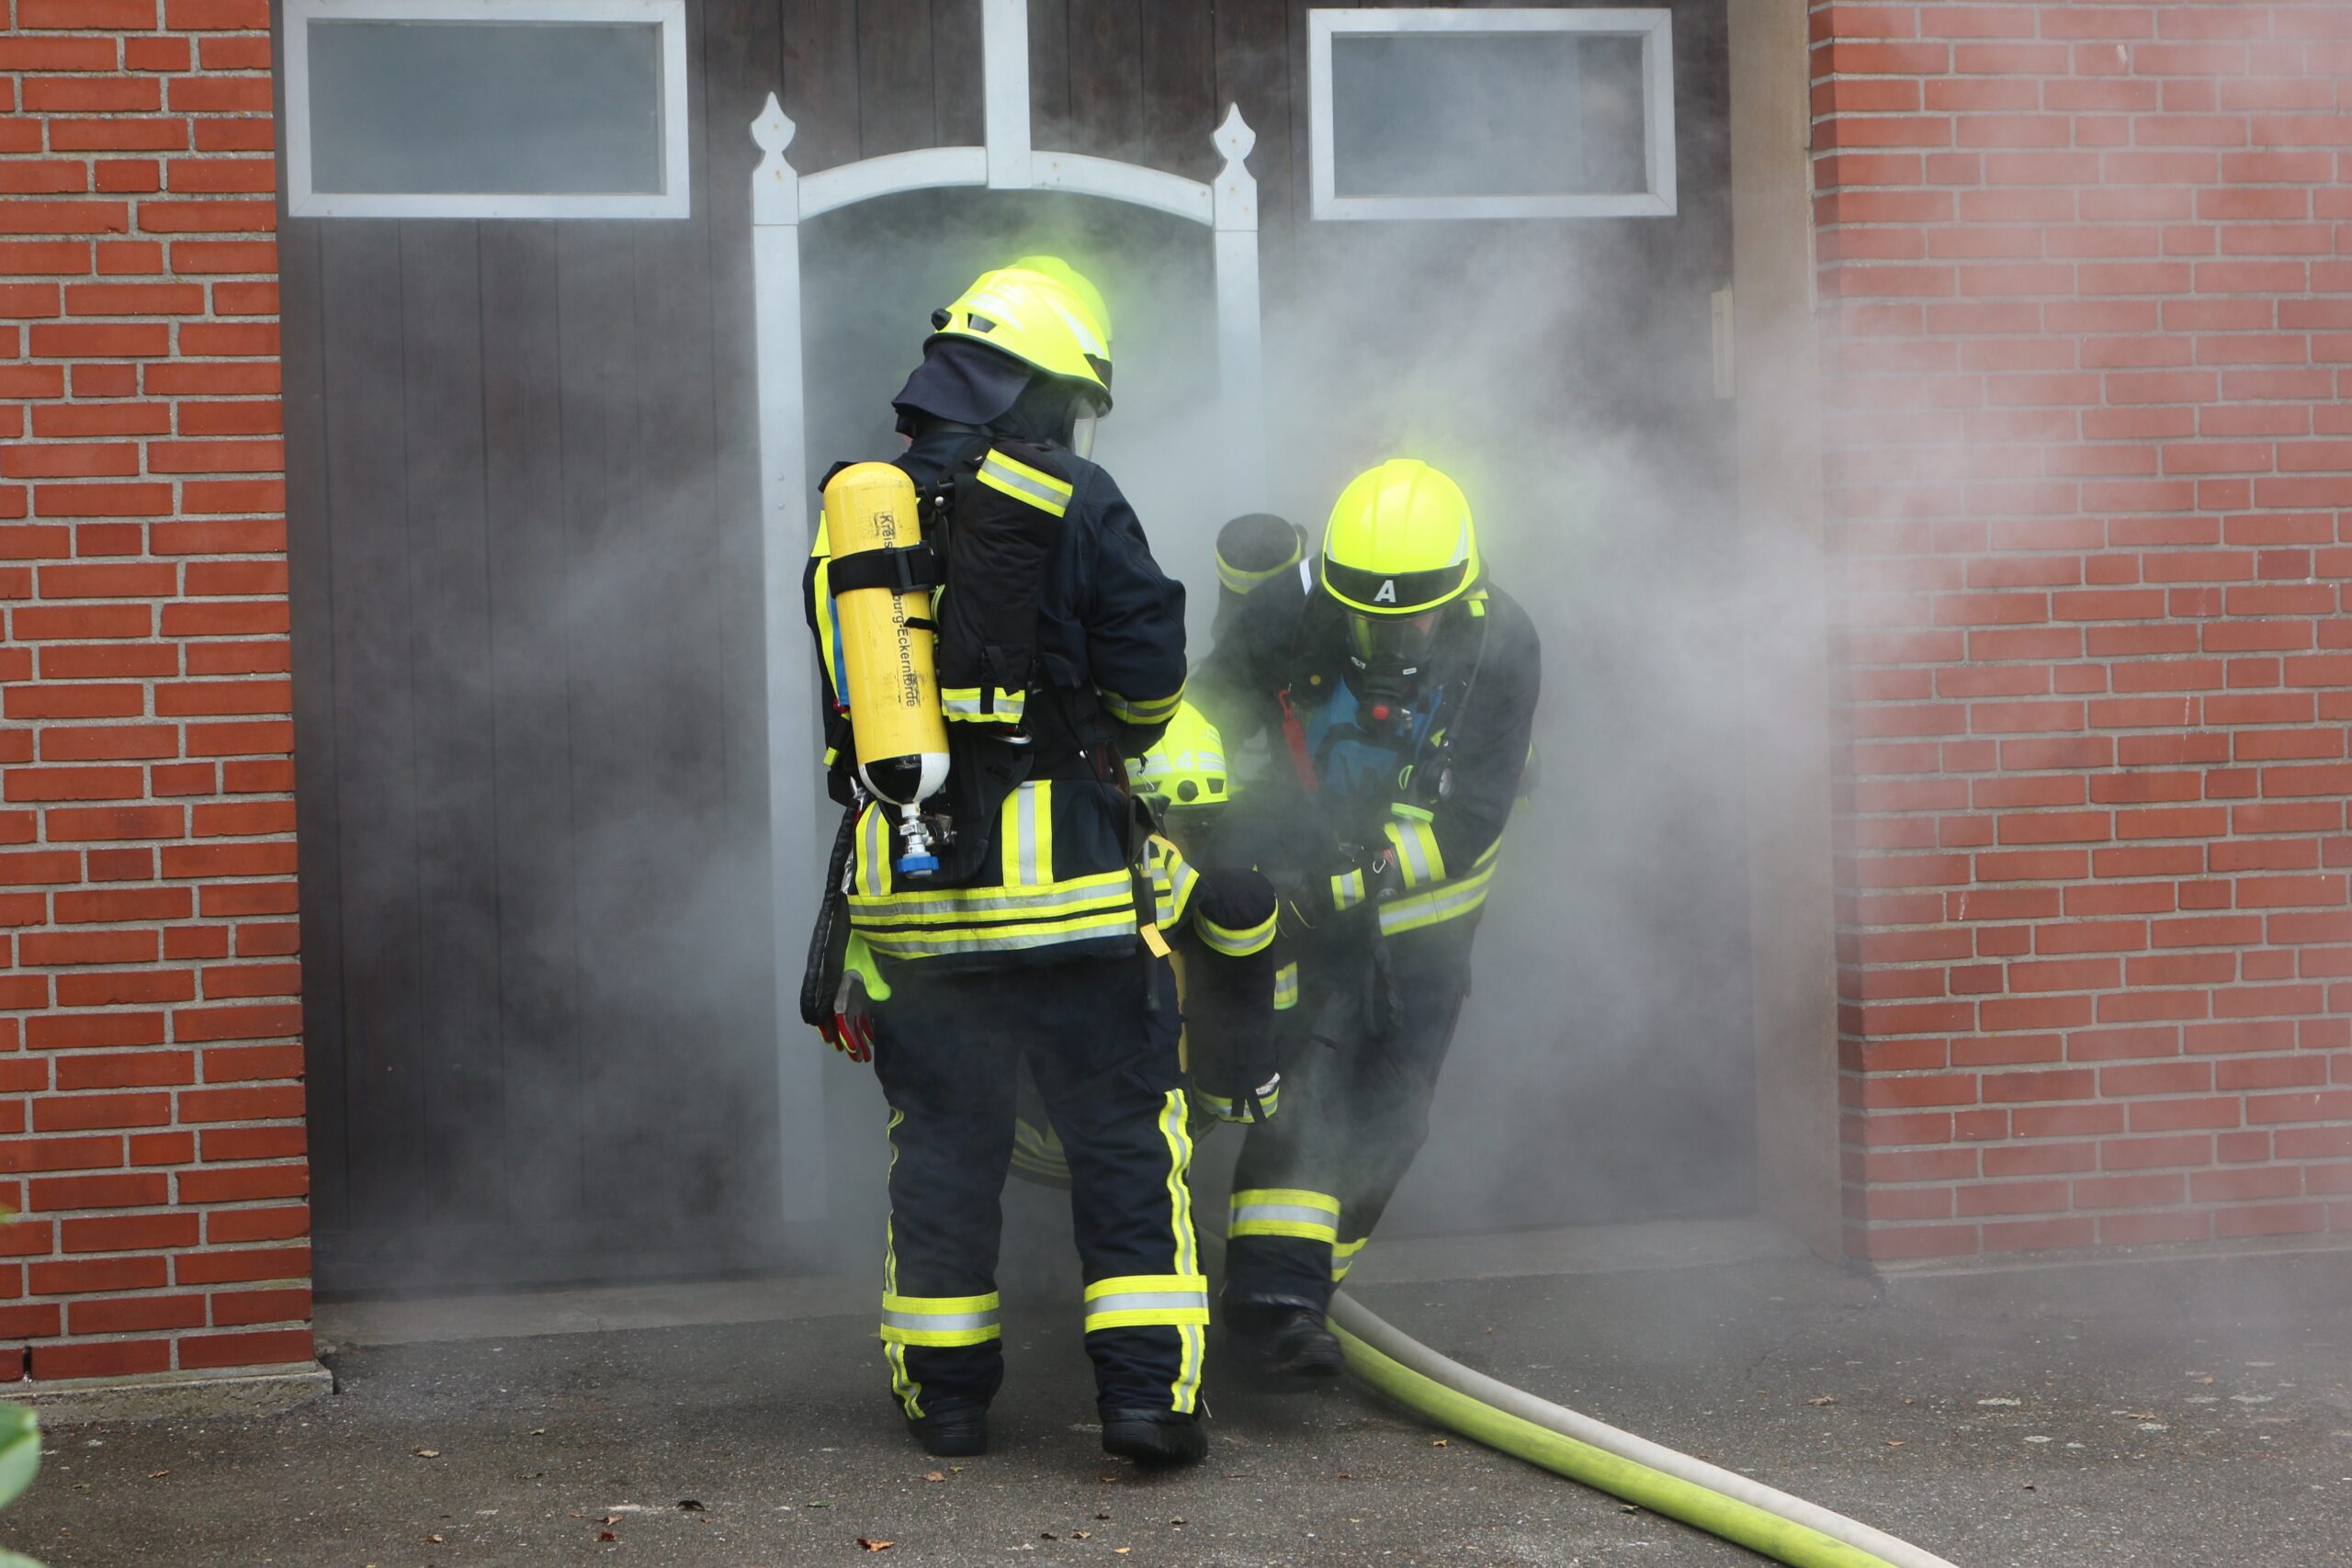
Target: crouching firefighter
[
  {"x": 1399, "y": 688},
  {"x": 996, "y": 641},
  {"x": 1221, "y": 930}
]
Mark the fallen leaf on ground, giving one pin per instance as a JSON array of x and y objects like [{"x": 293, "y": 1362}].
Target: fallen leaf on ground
[
  {"x": 426, "y": 1453},
  {"x": 1048, "y": 1535},
  {"x": 1897, "y": 1442},
  {"x": 935, "y": 1475},
  {"x": 606, "y": 1534},
  {"x": 1082, "y": 1535},
  {"x": 1823, "y": 1399},
  {"x": 871, "y": 1544},
  {"x": 690, "y": 1505},
  {"x": 157, "y": 1474},
  {"x": 437, "y": 1540},
  {"x": 2139, "y": 1416},
  {"x": 1123, "y": 1550},
  {"x": 1437, "y": 1442}
]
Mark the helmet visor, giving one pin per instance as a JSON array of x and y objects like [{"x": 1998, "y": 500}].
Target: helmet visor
[
  {"x": 1393, "y": 645},
  {"x": 1085, "y": 414}
]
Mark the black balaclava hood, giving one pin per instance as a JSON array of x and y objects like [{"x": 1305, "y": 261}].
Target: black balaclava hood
[{"x": 973, "y": 384}]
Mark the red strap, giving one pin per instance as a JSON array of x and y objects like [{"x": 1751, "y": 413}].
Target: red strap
[{"x": 1294, "y": 738}]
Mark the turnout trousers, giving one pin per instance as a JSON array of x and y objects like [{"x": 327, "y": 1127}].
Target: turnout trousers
[
  {"x": 946, "y": 1052},
  {"x": 1312, "y": 1182}
]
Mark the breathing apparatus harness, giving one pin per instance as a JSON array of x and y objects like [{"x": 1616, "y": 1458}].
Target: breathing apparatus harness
[{"x": 1384, "y": 718}]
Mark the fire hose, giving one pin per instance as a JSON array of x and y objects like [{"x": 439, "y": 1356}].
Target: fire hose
[{"x": 1762, "y": 1518}]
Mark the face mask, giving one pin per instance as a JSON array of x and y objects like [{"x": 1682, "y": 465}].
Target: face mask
[{"x": 1392, "y": 645}]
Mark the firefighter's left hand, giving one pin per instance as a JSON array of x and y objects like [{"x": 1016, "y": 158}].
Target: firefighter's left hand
[{"x": 851, "y": 1030}]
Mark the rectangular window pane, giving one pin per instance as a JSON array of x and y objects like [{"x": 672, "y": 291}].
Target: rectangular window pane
[
  {"x": 1487, "y": 114},
  {"x": 493, "y": 108}
]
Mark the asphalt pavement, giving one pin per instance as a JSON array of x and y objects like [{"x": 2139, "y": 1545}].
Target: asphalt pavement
[{"x": 2165, "y": 1428}]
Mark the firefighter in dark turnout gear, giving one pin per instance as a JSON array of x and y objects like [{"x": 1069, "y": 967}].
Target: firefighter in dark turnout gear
[
  {"x": 1397, "y": 686},
  {"x": 1060, "y": 653}
]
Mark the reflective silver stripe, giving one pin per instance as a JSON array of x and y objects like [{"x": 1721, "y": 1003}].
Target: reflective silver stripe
[
  {"x": 1239, "y": 943},
  {"x": 1440, "y": 903},
  {"x": 940, "y": 1322},
  {"x": 1007, "y": 709},
  {"x": 1053, "y": 499},
  {"x": 1149, "y": 1301},
  {"x": 1025, "y": 833},
  {"x": 895, "y": 945},
  {"x": 877, "y": 854},
  {"x": 1290, "y": 1213},
  {"x": 1044, "y": 902},
  {"x": 1412, "y": 844}
]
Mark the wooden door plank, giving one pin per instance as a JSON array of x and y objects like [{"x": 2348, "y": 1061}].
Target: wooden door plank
[
  {"x": 820, "y": 84},
  {"x": 309, "y": 552},
  {"x": 375, "y": 751},
  {"x": 455, "y": 769},
  {"x": 1050, "y": 123},
  {"x": 896, "y": 100},
  {"x": 1178, "y": 63},
  {"x": 527, "y": 555},
  {"x": 958, "y": 75},
  {"x": 1253, "y": 71},
  {"x": 1106, "y": 78}
]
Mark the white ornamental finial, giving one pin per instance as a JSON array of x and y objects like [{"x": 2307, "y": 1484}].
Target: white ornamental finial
[
  {"x": 775, "y": 189},
  {"x": 1236, "y": 188}
]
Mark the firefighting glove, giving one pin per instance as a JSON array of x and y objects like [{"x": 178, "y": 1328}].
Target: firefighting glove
[
  {"x": 1360, "y": 882},
  {"x": 851, "y": 1030}
]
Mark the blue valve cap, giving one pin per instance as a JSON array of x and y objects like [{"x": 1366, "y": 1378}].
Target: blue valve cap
[{"x": 918, "y": 866}]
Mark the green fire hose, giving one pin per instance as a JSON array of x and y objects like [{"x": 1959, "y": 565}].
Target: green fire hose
[{"x": 1788, "y": 1529}]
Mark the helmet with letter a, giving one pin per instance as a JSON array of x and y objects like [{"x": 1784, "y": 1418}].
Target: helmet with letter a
[{"x": 1400, "y": 547}]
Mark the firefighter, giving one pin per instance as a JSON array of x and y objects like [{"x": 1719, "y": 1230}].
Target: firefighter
[
  {"x": 1021, "y": 927},
  {"x": 1398, "y": 685},
  {"x": 1221, "y": 923}
]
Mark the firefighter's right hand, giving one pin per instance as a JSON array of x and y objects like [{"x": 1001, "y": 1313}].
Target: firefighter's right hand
[{"x": 851, "y": 1030}]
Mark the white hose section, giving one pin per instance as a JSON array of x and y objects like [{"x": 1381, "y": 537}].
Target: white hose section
[{"x": 1392, "y": 1342}]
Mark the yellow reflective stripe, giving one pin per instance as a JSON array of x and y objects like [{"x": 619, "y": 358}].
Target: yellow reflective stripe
[
  {"x": 1023, "y": 483},
  {"x": 1192, "y": 1339},
  {"x": 1286, "y": 987},
  {"x": 973, "y": 705},
  {"x": 1347, "y": 890},
  {"x": 903, "y": 1382},
  {"x": 1446, "y": 901},
  {"x": 1284, "y": 1210},
  {"x": 1004, "y": 939},
  {"x": 1025, "y": 837},
  {"x": 1147, "y": 1301},
  {"x": 1127, "y": 710},
  {"x": 1343, "y": 1258},
  {"x": 931, "y": 906},
  {"x": 1242, "y": 581},
  {"x": 939, "y": 1320},
  {"x": 1238, "y": 944},
  {"x": 873, "y": 854},
  {"x": 1418, "y": 855},
  {"x": 829, "y": 616},
  {"x": 1174, "y": 881}
]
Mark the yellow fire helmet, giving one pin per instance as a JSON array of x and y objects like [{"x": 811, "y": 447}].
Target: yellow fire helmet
[
  {"x": 1044, "y": 312},
  {"x": 1187, "y": 767},
  {"x": 1400, "y": 541}
]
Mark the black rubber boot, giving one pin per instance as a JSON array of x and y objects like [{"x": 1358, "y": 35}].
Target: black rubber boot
[
  {"x": 957, "y": 1432},
  {"x": 1282, "y": 1347},
  {"x": 1154, "y": 1437}
]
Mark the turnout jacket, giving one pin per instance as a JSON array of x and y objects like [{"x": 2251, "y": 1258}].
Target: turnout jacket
[
  {"x": 1441, "y": 796},
  {"x": 1044, "y": 865}
]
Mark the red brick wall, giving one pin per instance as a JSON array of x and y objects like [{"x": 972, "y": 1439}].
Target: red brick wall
[
  {"x": 150, "y": 1102},
  {"x": 2087, "y": 315}
]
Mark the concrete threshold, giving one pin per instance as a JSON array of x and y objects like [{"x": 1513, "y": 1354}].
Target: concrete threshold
[
  {"x": 2258, "y": 1278},
  {"x": 596, "y": 1309},
  {"x": 259, "y": 1390}
]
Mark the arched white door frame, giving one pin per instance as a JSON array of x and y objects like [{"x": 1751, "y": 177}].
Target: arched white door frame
[{"x": 780, "y": 199}]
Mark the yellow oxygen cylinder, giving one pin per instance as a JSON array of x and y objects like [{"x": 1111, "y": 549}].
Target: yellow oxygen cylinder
[{"x": 886, "y": 677}]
